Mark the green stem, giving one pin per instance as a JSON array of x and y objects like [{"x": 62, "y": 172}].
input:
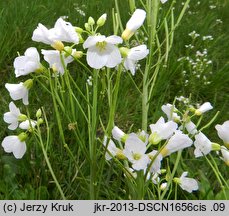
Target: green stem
[
  {"x": 49, "y": 164},
  {"x": 172, "y": 174},
  {"x": 92, "y": 135},
  {"x": 113, "y": 101},
  {"x": 217, "y": 176}
]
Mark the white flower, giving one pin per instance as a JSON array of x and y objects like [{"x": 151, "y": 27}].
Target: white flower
[
  {"x": 44, "y": 35},
  {"x": 20, "y": 91},
  {"x": 156, "y": 165},
  {"x": 25, "y": 125},
  {"x": 64, "y": 31},
  {"x": 191, "y": 127},
  {"x": 111, "y": 148},
  {"x": 225, "y": 154},
  {"x": 223, "y": 132},
  {"x": 203, "y": 145},
  {"x": 118, "y": 134},
  {"x": 54, "y": 59},
  {"x": 135, "y": 152},
  {"x": 133, "y": 55},
  {"x": 134, "y": 23},
  {"x": 203, "y": 108},
  {"x": 177, "y": 142},
  {"x": 163, "y": 1},
  {"x": 102, "y": 51},
  {"x": 187, "y": 184},
  {"x": 11, "y": 117},
  {"x": 15, "y": 144},
  {"x": 162, "y": 130},
  {"x": 170, "y": 111},
  {"x": 28, "y": 63},
  {"x": 163, "y": 186}
]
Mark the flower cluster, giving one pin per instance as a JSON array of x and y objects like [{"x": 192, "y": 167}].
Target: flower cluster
[
  {"x": 146, "y": 152},
  {"x": 67, "y": 43}
]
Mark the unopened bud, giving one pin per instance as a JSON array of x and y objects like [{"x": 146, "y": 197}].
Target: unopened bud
[
  {"x": 58, "y": 45},
  {"x": 87, "y": 27},
  {"x": 22, "y": 136},
  {"x": 40, "y": 121},
  {"x": 38, "y": 113},
  {"x": 100, "y": 22},
  {"x": 28, "y": 83},
  {"x": 22, "y": 118},
  {"x": 77, "y": 54},
  {"x": 68, "y": 51},
  {"x": 124, "y": 51},
  {"x": 91, "y": 21},
  {"x": 79, "y": 30}
]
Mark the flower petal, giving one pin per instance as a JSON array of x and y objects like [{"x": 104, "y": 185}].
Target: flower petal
[
  {"x": 92, "y": 40},
  {"x": 113, "y": 39},
  {"x": 96, "y": 59},
  {"x": 114, "y": 58}
]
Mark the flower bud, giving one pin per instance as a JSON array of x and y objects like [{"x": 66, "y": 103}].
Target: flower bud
[
  {"x": 58, "y": 45},
  {"x": 68, "y": 51},
  {"x": 40, "y": 121},
  {"x": 124, "y": 51},
  {"x": 22, "y": 136},
  {"x": 101, "y": 21},
  {"x": 22, "y": 117},
  {"x": 79, "y": 30},
  {"x": 38, "y": 113},
  {"x": 216, "y": 147},
  {"x": 77, "y": 54},
  {"x": 91, "y": 21},
  {"x": 28, "y": 83},
  {"x": 87, "y": 27}
]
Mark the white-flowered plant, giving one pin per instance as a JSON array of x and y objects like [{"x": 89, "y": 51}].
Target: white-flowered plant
[
  {"x": 225, "y": 154},
  {"x": 177, "y": 142},
  {"x": 161, "y": 130},
  {"x": 170, "y": 110},
  {"x": 13, "y": 116},
  {"x": 203, "y": 145},
  {"x": 27, "y": 124},
  {"x": 135, "y": 150},
  {"x": 146, "y": 158},
  {"x": 53, "y": 57},
  {"x": 28, "y": 63},
  {"x": 118, "y": 134},
  {"x": 102, "y": 51},
  {"x": 203, "y": 108},
  {"x": 223, "y": 132},
  {"x": 134, "y": 23},
  {"x": 20, "y": 91},
  {"x": 187, "y": 184},
  {"x": 15, "y": 144},
  {"x": 132, "y": 56}
]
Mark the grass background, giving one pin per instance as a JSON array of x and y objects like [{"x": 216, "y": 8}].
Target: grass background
[{"x": 29, "y": 178}]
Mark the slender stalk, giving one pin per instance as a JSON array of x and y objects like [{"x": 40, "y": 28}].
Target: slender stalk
[
  {"x": 92, "y": 135},
  {"x": 217, "y": 176},
  {"x": 49, "y": 164},
  {"x": 152, "y": 12},
  {"x": 113, "y": 101},
  {"x": 173, "y": 173}
]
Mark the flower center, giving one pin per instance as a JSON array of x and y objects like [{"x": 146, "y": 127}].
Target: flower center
[
  {"x": 137, "y": 156},
  {"x": 101, "y": 45}
]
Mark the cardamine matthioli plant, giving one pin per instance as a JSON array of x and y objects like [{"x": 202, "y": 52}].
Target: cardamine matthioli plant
[
  {"x": 102, "y": 60},
  {"x": 143, "y": 154}
]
